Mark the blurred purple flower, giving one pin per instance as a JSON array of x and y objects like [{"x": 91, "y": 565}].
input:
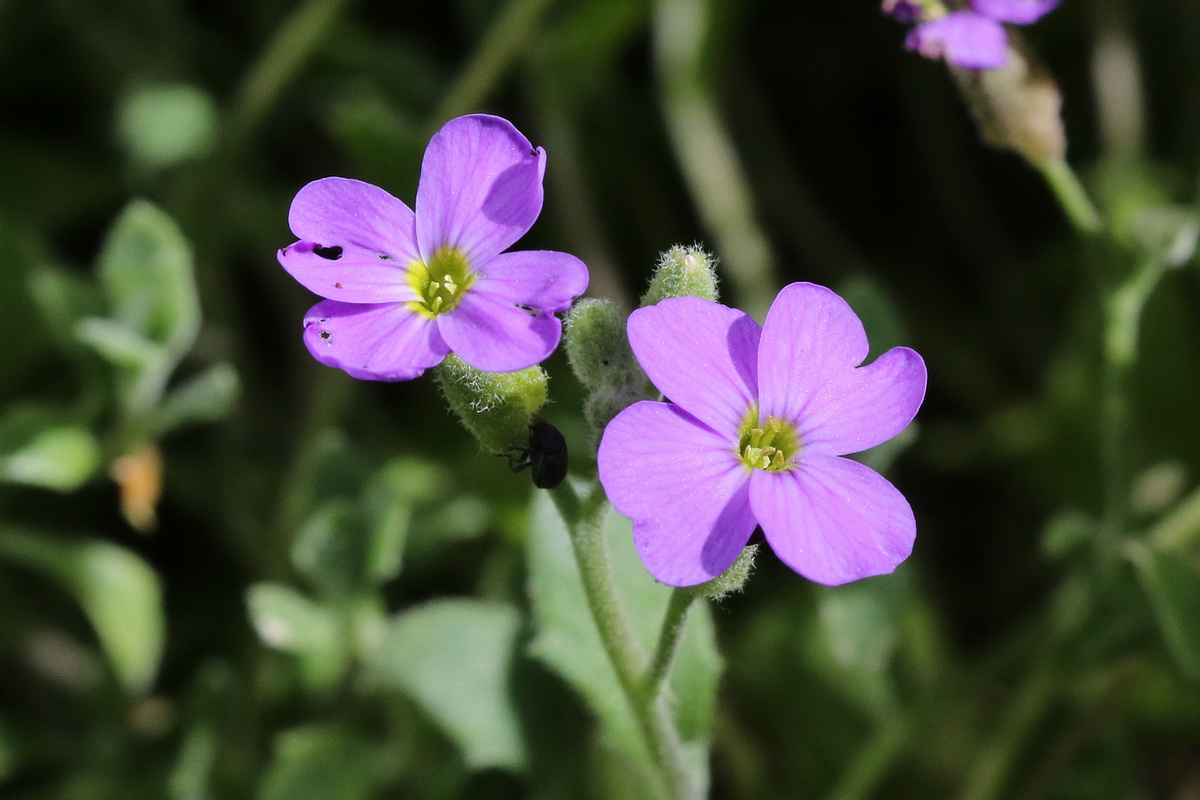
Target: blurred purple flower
[
  {"x": 404, "y": 289},
  {"x": 973, "y": 39},
  {"x": 754, "y": 433}
]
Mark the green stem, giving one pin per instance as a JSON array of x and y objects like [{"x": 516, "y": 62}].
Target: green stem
[
  {"x": 507, "y": 40},
  {"x": 584, "y": 521},
  {"x": 674, "y": 623},
  {"x": 992, "y": 770},
  {"x": 292, "y": 45},
  {"x": 1122, "y": 313},
  {"x": 1072, "y": 197},
  {"x": 706, "y": 151}
]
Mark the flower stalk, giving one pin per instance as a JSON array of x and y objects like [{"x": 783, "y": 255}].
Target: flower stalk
[
  {"x": 674, "y": 623},
  {"x": 584, "y": 520}
]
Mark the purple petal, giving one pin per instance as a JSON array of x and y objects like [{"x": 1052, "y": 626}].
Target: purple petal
[
  {"x": 682, "y": 486},
  {"x": 833, "y": 520},
  {"x": 866, "y": 406},
  {"x": 480, "y": 189},
  {"x": 811, "y": 338},
  {"x": 381, "y": 342},
  {"x": 349, "y": 274},
  {"x": 542, "y": 279},
  {"x": 702, "y": 356},
  {"x": 495, "y": 335},
  {"x": 362, "y": 219},
  {"x": 1021, "y": 12},
  {"x": 964, "y": 38}
]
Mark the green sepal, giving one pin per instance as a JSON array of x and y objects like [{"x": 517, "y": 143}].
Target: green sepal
[
  {"x": 683, "y": 272},
  {"x": 496, "y": 407}
]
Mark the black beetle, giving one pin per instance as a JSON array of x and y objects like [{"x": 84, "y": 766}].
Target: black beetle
[{"x": 546, "y": 455}]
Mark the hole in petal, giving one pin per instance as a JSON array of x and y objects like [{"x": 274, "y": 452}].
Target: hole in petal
[{"x": 330, "y": 253}]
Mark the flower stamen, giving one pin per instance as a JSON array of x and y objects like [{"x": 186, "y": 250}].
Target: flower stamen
[
  {"x": 440, "y": 296},
  {"x": 771, "y": 446}
]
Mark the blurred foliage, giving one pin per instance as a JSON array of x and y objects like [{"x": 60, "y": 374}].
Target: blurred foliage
[{"x": 229, "y": 572}]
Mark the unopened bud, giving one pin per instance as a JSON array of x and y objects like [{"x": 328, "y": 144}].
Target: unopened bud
[
  {"x": 496, "y": 407},
  {"x": 598, "y": 349},
  {"x": 683, "y": 272}
]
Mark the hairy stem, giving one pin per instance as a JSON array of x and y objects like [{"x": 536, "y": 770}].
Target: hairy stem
[{"x": 584, "y": 521}]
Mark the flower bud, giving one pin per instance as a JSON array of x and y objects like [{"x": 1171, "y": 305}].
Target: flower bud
[
  {"x": 683, "y": 272},
  {"x": 496, "y": 407},
  {"x": 598, "y": 349}
]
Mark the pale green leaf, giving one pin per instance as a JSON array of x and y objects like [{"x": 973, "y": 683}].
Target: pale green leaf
[
  {"x": 453, "y": 658},
  {"x": 119, "y": 593},
  {"x": 321, "y": 762},
  {"x": 146, "y": 268},
  {"x": 1173, "y": 586}
]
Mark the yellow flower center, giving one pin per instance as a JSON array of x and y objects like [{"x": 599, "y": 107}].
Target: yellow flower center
[
  {"x": 771, "y": 445},
  {"x": 440, "y": 284}
]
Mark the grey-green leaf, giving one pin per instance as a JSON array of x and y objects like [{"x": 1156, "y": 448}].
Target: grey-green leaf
[
  {"x": 322, "y": 762},
  {"x": 453, "y": 657},
  {"x": 119, "y": 593},
  {"x": 207, "y": 397},
  {"x": 146, "y": 268},
  {"x": 40, "y": 448},
  {"x": 1173, "y": 586}
]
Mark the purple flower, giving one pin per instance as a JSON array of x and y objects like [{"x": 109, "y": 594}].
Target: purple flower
[
  {"x": 754, "y": 433},
  {"x": 976, "y": 39},
  {"x": 404, "y": 289}
]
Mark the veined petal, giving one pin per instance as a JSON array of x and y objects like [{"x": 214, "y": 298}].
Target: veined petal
[
  {"x": 362, "y": 219},
  {"x": 866, "y": 406},
  {"x": 702, "y": 355},
  {"x": 833, "y": 520},
  {"x": 543, "y": 279},
  {"x": 811, "y": 338},
  {"x": 683, "y": 487},
  {"x": 380, "y": 342},
  {"x": 1021, "y": 12},
  {"x": 480, "y": 188},
  {"x": 964, "y": 38},
  {"x": 495, "y": 335},
  {"x": 352, "y": 275}
]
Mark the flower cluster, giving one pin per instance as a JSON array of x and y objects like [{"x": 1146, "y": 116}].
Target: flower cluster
[
  {"x": 754, "y": 435},
  {"x": 405, "y": 288},
  {"x": 972, "y": 39},
  {"x": 759, "y": 418}
]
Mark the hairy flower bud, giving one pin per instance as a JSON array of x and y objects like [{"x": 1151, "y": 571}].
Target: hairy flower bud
[
  {"x": 598, "y": 350},
  {"x": 496, "y": 407},
  {"x": 683, "y": 272}
]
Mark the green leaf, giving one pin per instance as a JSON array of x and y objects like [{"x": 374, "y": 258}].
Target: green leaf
[
  {"x": 120, "y": 345},
  {"x": 289, "y": 621},
  {"x": 207, "y": 397},
  {"x": 146, "y": 268},
  {"x": 1167, "y": 234},
  {"x": 63, "y": 300},
  {"x": 163, "y": 125},
  {"x": 453, "y": 658},
  {"x": 322, "y": 762},
  {"x": 1173, "y": 586},
  {"x": 41, "y": 448},
  {"x": 119, "y": 593},
  {"x": 568, "y": 643}
]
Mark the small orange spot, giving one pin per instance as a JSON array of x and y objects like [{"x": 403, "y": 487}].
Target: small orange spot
[{"x": 138, "y": 474}]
